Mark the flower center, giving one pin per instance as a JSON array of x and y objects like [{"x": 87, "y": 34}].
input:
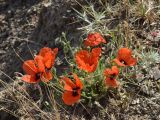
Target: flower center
[
  {"x": 38, "y": 75},
  {"x": 112, "y": 76},
  {"x": 123, "y": 62},
  {"x": 75, "y": 91},
  {"x": 47, "y": 69}
]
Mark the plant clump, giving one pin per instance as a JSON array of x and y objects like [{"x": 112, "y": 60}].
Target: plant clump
[{"x": 94, "y": 78}]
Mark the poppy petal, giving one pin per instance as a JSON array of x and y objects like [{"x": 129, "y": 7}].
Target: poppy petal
[
  {"x": 131, "y": 61},
  {"x": 82, "y": 53},
  {"x": 78, "y": 81},
  {"x": 39, "y": 62},
  {"x": 68, "y": 84},
  {"x": 111, "y": 82},
  {"x": 44, "y": 50},
  {"x": 87, "y": 43},
  {"x": 29, "y": 79},
  {"x": 29, "y": 67},
  {"x": 69, "y": 99},
  {"x": 118, "y": 62},
  {"x": 96, "y": 52},
  {"x": 48, "y": 56},
  {"x": 115, "y": 70},
  {"x": 110, "y": 72},
  {"x": 47, "y": 76},
  {"x": 81, "y": 58},
  {"x": 55, "y": 51},
  {"x": 48, "y": 60},
  {"x": 107, "y": 72},
  {"x": 124, "y": 53},
  {"x": 91, "y": 68}
]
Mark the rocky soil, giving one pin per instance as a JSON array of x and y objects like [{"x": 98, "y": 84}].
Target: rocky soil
[{"x": 25, "y": 27}]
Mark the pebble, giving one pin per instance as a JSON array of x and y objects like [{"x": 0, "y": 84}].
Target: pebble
[{"x": 2, "y": 52}]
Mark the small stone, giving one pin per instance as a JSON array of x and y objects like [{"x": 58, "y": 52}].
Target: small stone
[
  {"x": 2, "y": 52},
  {"x": 135, "y": 101},
  {"x": 2, "y": 17}
]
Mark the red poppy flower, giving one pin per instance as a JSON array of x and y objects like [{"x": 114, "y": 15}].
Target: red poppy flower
[
  {"x": 125, "y": 58},
  {"x": 111, "y": 82},
  {"x": 94, "y": 39},
  {"x": 111, "y": 75},
  {"x": 88, "y": 61},
  {"x": 49, "y": 56},
  {"x": 72, "y": 91},
  {"x": 40, "y": 68},
  {"x": 114, "y": 71},
  {"x": 33, "y": 68}
]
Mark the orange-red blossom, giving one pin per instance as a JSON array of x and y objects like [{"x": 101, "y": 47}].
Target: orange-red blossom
[
  {"x": 88, "y": 61},
  {"x": 40, "y": 68},
  {"x": 111, "y": 75},
  {"x": 72, "y": 90},
  {"x": 124, "y": 58},
  {"x": 94, "y": 39}
]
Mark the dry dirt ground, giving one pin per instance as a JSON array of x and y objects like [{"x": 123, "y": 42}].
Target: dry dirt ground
[{"x": 31, "y": 24}]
